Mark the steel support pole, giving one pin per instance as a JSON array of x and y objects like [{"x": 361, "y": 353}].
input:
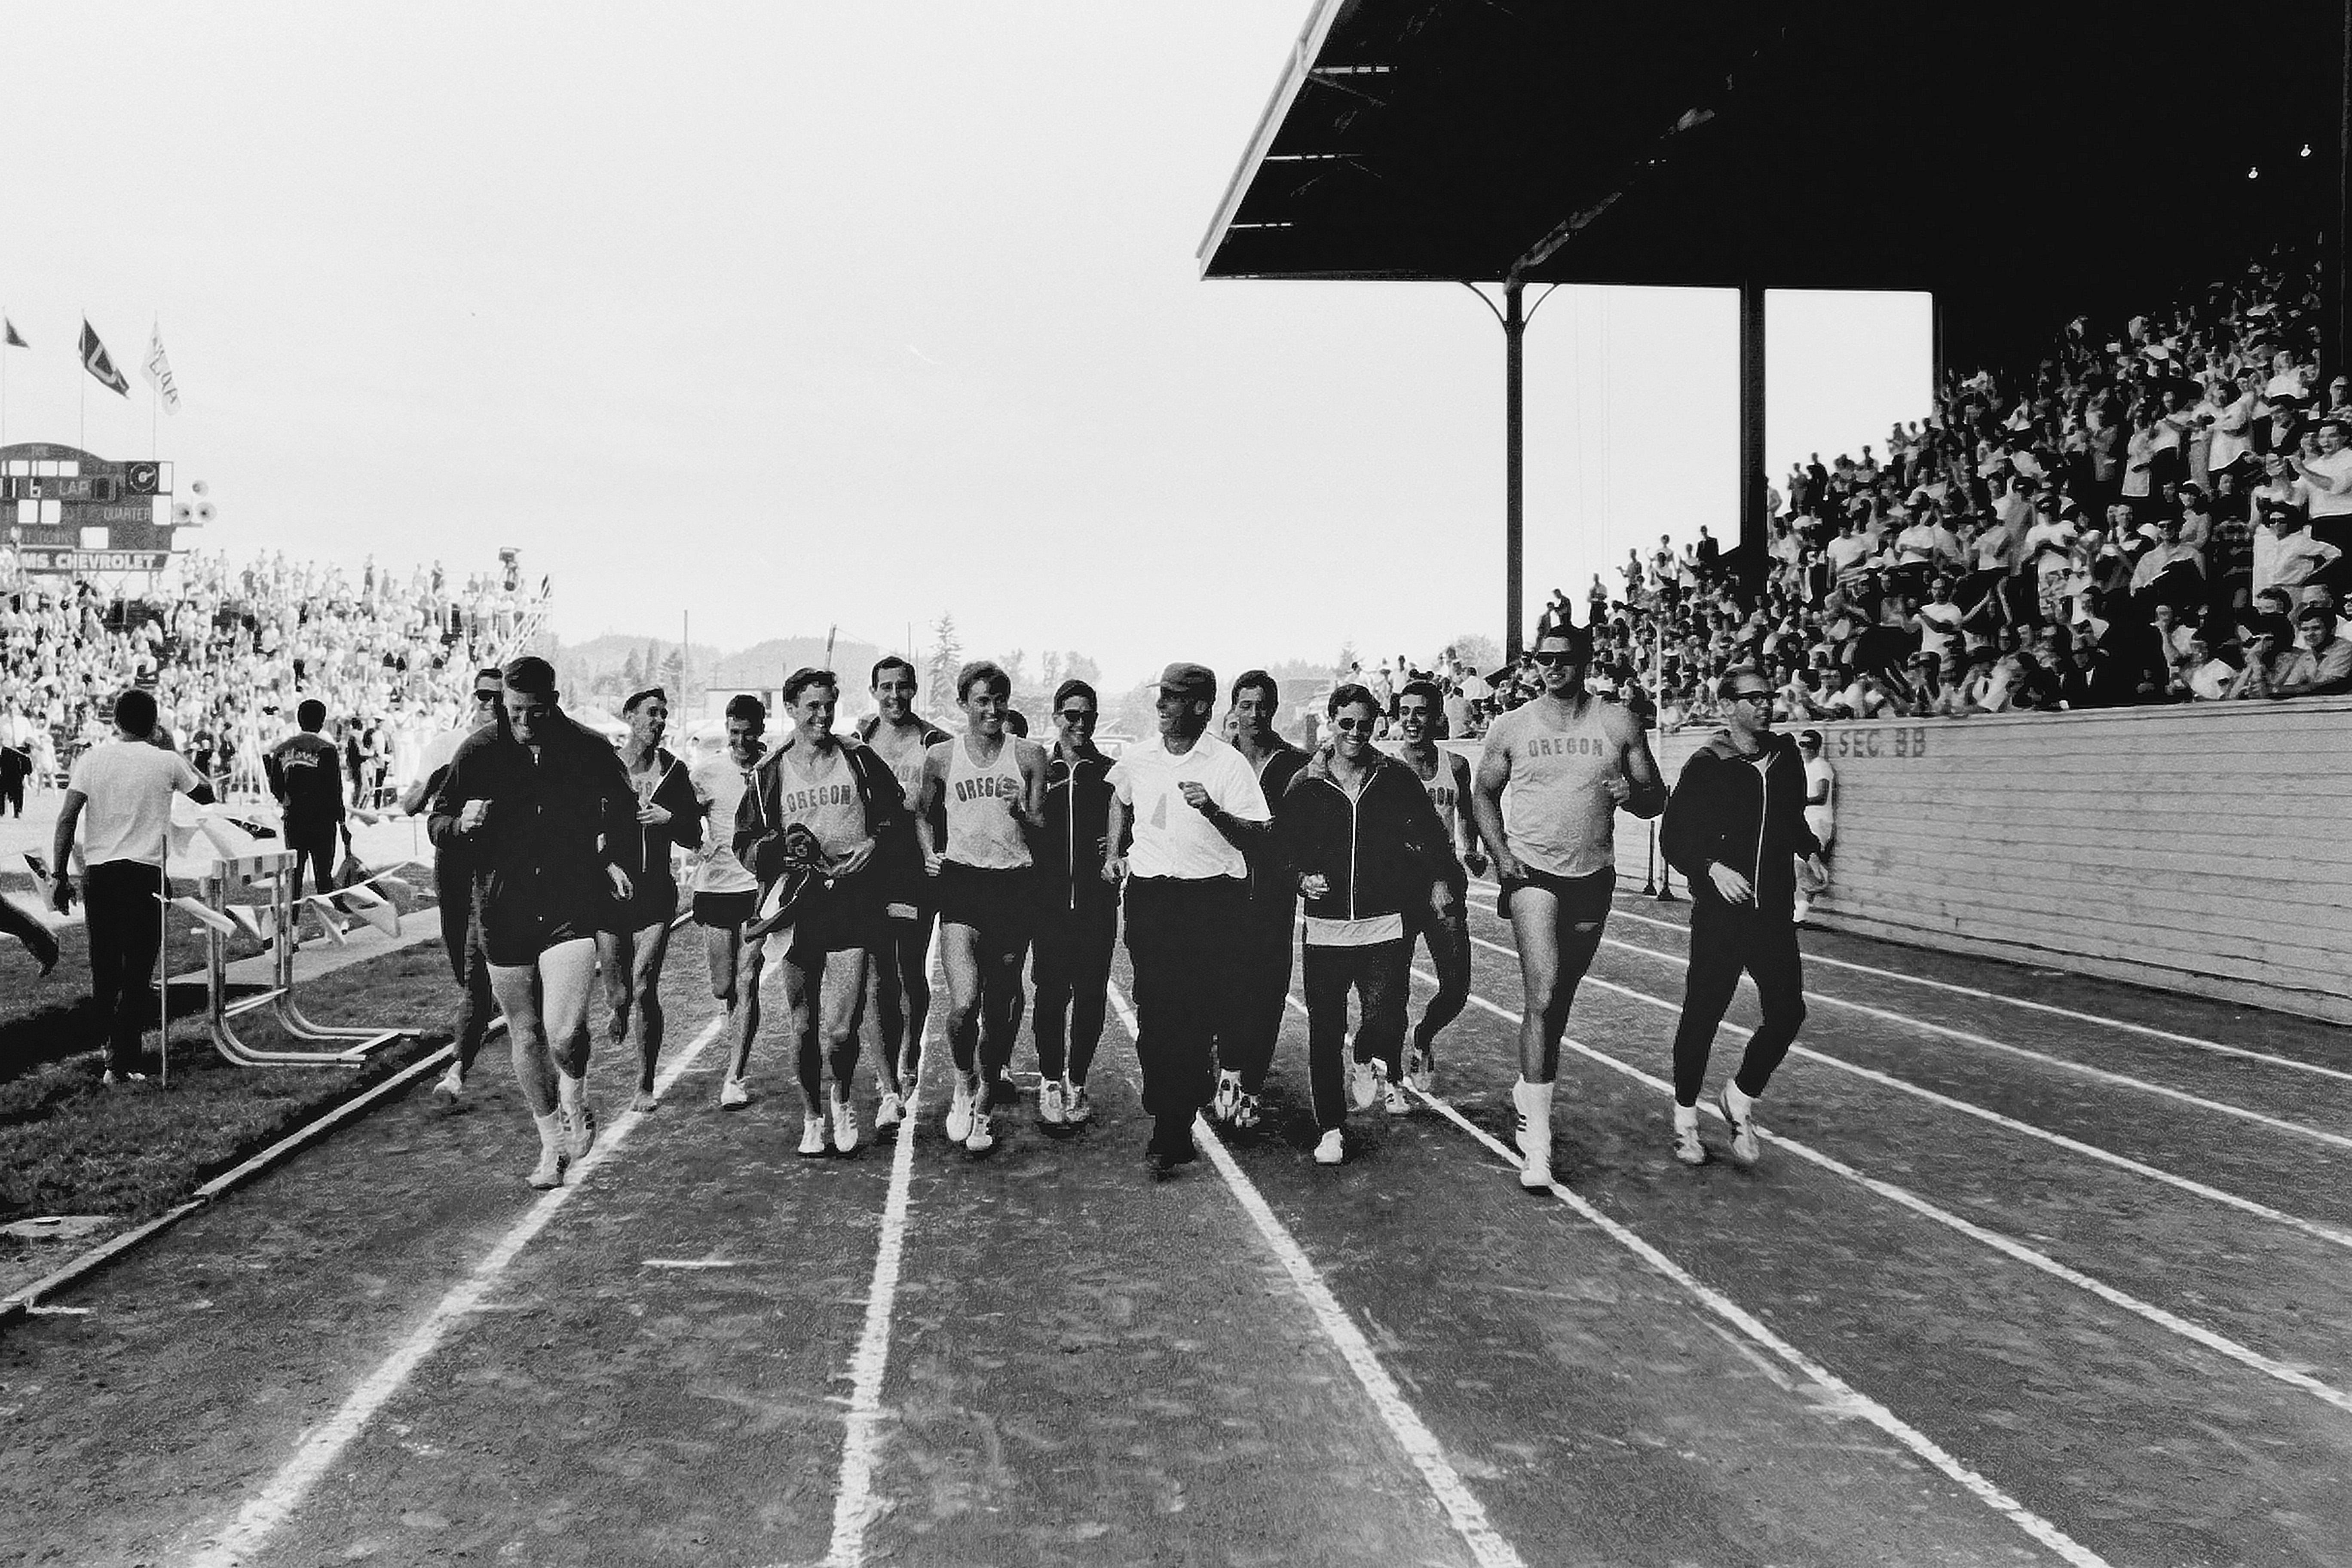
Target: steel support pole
[
  {"x": 2335, "y": 289},
  {"x": 1753, "y": 511},
  {"x": 1515, "y": 455}
]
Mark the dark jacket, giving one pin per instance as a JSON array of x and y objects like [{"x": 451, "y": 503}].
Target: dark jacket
[
  {"x": 1383, "y": 848},
  {"x": 674, "y": 793},
  {"x": 1273, "y": 883},
  {"x": 1725, "y": 808},
  {"x": 759, "y": 821},
  {"x": 1077, "y": 814},
  {"x": 554, "y": 826}
]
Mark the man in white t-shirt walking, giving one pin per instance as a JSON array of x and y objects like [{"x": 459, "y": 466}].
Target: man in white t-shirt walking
[
  {"x": 1195, "y": 804},
  {"x": 124, "y": 789},
  {"x": 1821, "y": 811}
]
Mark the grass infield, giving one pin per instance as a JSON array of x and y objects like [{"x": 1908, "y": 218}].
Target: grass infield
[{"x": 68, "y": 1145}]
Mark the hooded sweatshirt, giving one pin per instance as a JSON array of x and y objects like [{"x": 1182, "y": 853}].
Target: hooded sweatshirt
[{"x": 1381, "y": 848}]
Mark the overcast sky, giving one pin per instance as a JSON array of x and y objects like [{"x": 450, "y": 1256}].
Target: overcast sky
[{"x": 795, "y": 315}]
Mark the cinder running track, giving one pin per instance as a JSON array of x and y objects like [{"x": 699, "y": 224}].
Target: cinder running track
[{"x": 2036, "y": 1269}]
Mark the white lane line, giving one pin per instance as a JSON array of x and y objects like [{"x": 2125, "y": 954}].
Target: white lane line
[
  {"x": 2121, "y": 1080},
  {"x": 1847, "y": 1399},
  {"x": 2073, "y": 1145},
  {"x": 274, "y": 1504},
  {"x": 854, "y": 1505},
  {"x": 2125, "y": 1026},
  {"x": 2008, "y": 1246},
  {"x": 684, "y": 1263},
  {"x": 1461, "y": 1507}
]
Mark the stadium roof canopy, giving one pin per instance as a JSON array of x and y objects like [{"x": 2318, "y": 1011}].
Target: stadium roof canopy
[
  {"x": 2021, "y": 162},
  {"x": 2024, "y": 164}
]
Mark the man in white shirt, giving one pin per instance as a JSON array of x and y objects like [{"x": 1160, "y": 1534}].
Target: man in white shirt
[
  {"x": 2329, "y": 477},
  {"x": 1194, "y": 804},
  {"x": 125, "y": 786}
]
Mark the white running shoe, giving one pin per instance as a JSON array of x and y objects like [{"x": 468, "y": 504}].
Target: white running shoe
[
  {"x": 549, "y": 1171},
  {"x": 1052, "y": 1105},
  {"x": 1392, "y": 1097},
  {"x": 1533, "y": 1134},
  {"x": 450, "y": 1087},
  {"x": 1247, "y": 1113},
  {"x": 1745, "y": 1147},
  {"x": 890, "y": 1113},
  {"x": 1364, "y": 1086},
  {"x": 1687, "y": 1148},
  {"x": 1081, "y": 1108},
  {"x": 1229, "y": 1096},
  {"x": 1331, "y": 1150},
  {"x": 845, "y": 1126},
  {"x": 580, "y": 1131},
  {"x": 733, "y": 1094},
  {"x": 981, "y": 1139},
  {"x": 812, "y": 1136},
  {"x": 960, "y": 1113}
]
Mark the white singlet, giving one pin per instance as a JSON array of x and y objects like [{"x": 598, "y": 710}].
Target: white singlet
[
  {"x": 826, "y": 804},
  {"x": 719, "y": 782},
  {"x": 1557, "y": 814},
  {"x": 983, "y": 801}
]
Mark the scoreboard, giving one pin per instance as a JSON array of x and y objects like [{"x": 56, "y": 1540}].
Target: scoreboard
[{"x": 66, "y": 510}]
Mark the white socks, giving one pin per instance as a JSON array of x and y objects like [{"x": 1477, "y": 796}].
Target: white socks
[
  {"x": 1742, "y": 1106},
  {"x": 1686, "y": 1116},
  {"x": 550, "y": 1132},
  {"x": 569, "y": 1090}
]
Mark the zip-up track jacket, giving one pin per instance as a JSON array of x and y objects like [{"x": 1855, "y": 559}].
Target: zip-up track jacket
[
  {"x": 1383, "y": 849},
  {"x": 1725, "y": 808}
]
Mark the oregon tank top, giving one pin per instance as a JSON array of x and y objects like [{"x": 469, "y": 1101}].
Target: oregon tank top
[
  {"x": 983, "y": 803},
  {"x": 825, "y": 802},
  {"x": 1557, "y": 814}
]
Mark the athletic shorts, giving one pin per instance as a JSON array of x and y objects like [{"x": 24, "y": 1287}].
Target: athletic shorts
[
  {"x": 1581, "y": 899},
  {"x": 840, "y": 919},
  {"x": 511, "y": 941},
  {"x": 1000, "y": 905},
  {"x": 649, "y": 903},
  {"x": 720, "y": 910}
]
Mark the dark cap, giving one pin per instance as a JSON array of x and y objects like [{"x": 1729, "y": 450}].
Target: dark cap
[{"x": 1193, "y": 682}]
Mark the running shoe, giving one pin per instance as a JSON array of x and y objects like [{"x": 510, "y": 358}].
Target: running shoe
[
  {"x": 117, "y": 1080},
  {"x": 1392, "y": 1097},
  {"x": 1365, "y": 1087},
  {"x": 982, "y": 1137},
  {"x": 1533, "y": 1135},
  {"x": 549, "y": 1171},
  {"x": 890, "y": 1113},
  {"x": 733, "y": 1095},
  {"x": 812, "y": 1137},
  {"x": 1081, "y": 1107},
  {"x": 450, "y": 1087},
  {"x": 1421, "y": 1069},
  {"x": 960, "y": 1113},
  {"x": 1687, "y": 1148},
  {"x": 1248, "y": 1113},
  {"x": 1052, "y": 1108},
  {"x": 845, "y": 1126},
  {"x": 1331, "y": 1150},
  {"x": 1228, "y": 1097},
  {"x": 643, "y": 1100},
  {"x": 580, "y": 1128},
  {"x": 1745, "y": 1147}
]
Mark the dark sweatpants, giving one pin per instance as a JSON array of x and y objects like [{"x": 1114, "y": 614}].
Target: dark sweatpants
[
  {"x": 1071, "y": 972},
  {"x": 461, "y": 938},
  {"x": 1179, "y": 939},
  {"x": 120, "y": 901},
  {"x": 1379, "y": 972},
  {"x": 1261, "y": 986},
  {"x": 1724, "y": 941}
]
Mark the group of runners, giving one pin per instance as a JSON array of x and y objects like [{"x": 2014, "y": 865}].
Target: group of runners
[{"x": 1217, "y": 848}]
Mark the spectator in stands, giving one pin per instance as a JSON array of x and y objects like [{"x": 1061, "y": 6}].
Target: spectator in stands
[
  {"x": 2322, "y": 665},
  {"x": 2268, "y": 640}
]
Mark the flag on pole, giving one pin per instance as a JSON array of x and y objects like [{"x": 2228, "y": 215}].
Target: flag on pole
[
  {"x": 159, "y": 373},
  {"x": 100, "y": 365},
  {"x": 9, "y": 337}
]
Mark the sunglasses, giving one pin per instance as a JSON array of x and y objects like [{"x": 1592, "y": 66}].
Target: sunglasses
[
  {"x": 1076, "y": 716},
  {"x": 1352, "y": 725},
  {"x": 490, "y": 696},
  {"x": 1751, "y": 697},
  {"x": 1554, "y": 660}
]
